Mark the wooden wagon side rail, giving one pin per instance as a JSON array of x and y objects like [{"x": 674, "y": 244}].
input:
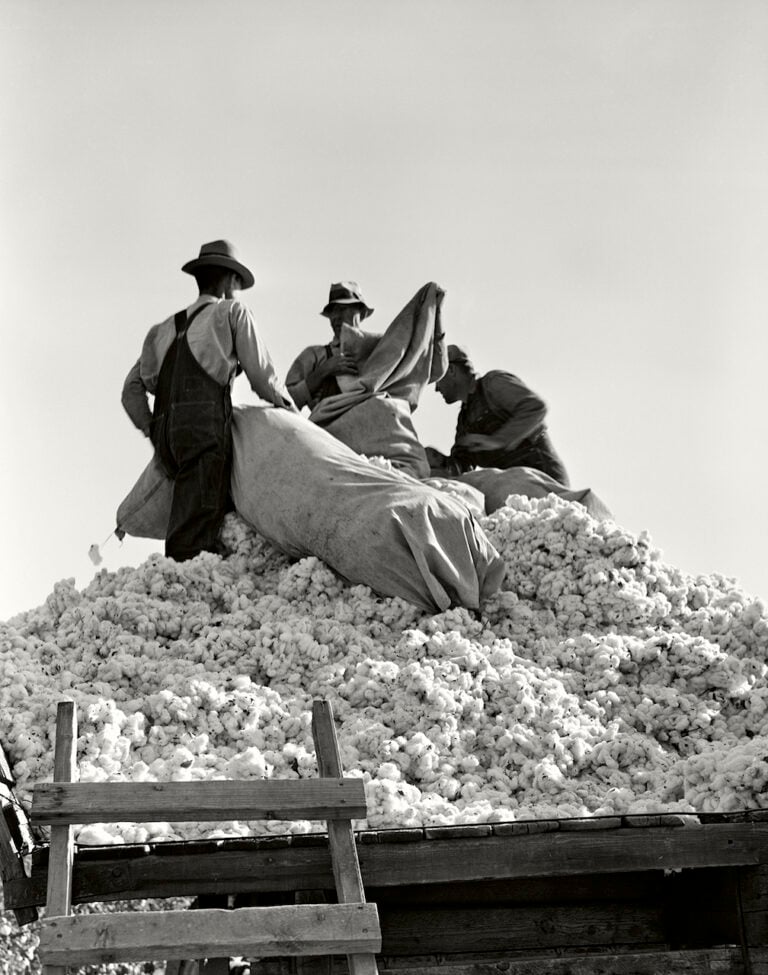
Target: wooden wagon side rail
[
  {"x": 631, "y": 894},
  {"x": 403, "y": 857}
]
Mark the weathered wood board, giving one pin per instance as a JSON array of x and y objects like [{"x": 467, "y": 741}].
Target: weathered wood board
[
  {"x": 57, "y": 803},
  {"x": 263, "y": 931}
]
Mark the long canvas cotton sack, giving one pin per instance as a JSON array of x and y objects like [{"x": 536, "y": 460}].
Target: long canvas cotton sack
[
  {"x": 382, "y": 427},
  {"x": 311, "y": 495},
  {"x": 497, "y": 485},
  {"x": 146, "y": 509}
]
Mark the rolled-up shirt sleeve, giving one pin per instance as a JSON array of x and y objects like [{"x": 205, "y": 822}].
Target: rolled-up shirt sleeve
[
  {"x": 255, "y": 359},
  {"x": 135, "y": 401}
]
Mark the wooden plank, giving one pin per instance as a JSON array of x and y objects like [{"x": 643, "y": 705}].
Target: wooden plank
[
  {"x": 758, "y": 961},
  {"x": 525, "y": 892},
  {"x": 209, "y": 966},
  {"x": 464, "y": 831},
  {"x": 267, "y": 932},
  {"x": 717, "y": 961},
  {"x": 346, "y": 870},
  {"x": 564, "y": 854},
  {"x": 315, "y": 964},
  {"x": 62, "y": 849},
  {"x": 341, "y": 839},
  {"x": 503, "y": 929},
  {"x": 664, "y": 819},
  {"x": 392, "y": 865},
  {"x": 753, "y": 901},
  {"x": 584, "y": 823},
  {"x": 753, "y": 882},
  {"x": 756, "y": 927},
  {"x": 221, "y": 872},
  {"x": 148, "y": 802}
]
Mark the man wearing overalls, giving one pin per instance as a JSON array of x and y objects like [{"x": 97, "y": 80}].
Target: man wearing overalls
[
  {"x": 188, "y": 363},
  {"x": 500, "y": 424}
]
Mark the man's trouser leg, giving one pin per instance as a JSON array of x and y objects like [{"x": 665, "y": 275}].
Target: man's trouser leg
[{"x": 200, "y": 495}]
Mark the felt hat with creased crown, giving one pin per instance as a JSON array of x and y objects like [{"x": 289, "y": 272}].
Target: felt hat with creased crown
[
  {"x": 346, "y": 293},
  {"x": 220, "y": 253}
]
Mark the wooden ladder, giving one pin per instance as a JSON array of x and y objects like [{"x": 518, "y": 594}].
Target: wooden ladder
[{"x": 349, "y": 928}]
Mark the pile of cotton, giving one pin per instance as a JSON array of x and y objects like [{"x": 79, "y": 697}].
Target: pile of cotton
[{"x": 597, "y": 680}]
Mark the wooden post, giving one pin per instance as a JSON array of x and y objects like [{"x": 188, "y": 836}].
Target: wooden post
[
  {"x": 62, "y": 850},
  {"x": 212, "y": 966},
  {"x": 341, "y": 837}
]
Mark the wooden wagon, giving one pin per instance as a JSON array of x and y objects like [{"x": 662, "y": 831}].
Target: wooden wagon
[{"x": 624, "y": 895}]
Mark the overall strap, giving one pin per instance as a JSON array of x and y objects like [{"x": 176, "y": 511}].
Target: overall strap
[{"x": 181, "y": 321}]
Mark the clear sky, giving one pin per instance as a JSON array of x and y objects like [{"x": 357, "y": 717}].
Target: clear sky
[{"x": 587, "y": 179}]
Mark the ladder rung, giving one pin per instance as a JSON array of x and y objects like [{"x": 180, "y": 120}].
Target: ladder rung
[
  {"x": 65, "y": 803},
  {"x": 265, "y": 932}
]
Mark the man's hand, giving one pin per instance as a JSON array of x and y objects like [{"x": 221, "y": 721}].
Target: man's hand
[
  {"x": 434, "y": 458},
  {"x": 437, "y": 462},
  {"x": 342, "y": 364}
]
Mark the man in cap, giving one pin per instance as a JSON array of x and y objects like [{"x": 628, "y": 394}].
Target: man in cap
[
  {"x": 188, "y": 363},
  {"x": 500, "y": 424},
  {"x": 313, "y": 375}
]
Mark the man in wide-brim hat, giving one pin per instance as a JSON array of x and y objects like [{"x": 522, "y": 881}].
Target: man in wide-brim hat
[
  {"x": 313, "y": 376},
  {"x": 188, "y": 363}
]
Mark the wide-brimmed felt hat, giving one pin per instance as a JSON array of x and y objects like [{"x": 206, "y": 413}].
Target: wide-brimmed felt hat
[
  {"x": 346, "y": 293},
  {"x": 220, "y": 253}
]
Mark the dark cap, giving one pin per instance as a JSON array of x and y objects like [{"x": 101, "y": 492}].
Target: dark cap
[{"x": 459, "y": 356}]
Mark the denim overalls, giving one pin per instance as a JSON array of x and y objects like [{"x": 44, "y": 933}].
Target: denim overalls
[{"x": 191, "y": 433}]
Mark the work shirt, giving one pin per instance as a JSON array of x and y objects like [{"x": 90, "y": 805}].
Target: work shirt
[
  {"x": 502, "y": 406},
  {"x": 306, "y": 362},
  {"x": 223, "y": 340}
]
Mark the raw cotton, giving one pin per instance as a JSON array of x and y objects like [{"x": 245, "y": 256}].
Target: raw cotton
[{"x": 597, "y": 680}]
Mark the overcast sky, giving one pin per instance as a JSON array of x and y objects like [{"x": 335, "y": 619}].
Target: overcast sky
[{"x": 587, "y": 179}]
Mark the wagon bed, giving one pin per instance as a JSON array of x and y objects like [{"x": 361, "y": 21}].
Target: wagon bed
[{"x": 618, "y": 894}]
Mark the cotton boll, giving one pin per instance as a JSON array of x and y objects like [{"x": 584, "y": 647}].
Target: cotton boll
[{"x": 95, "y": 834}]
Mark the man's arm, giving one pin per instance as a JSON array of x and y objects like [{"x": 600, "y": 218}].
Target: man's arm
[
  {"x": 256, "y": 361},
  {"x": 135, "y": 400},
  {"x": 304, "y": 377},
  {"x": 296, "y": 381}
]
